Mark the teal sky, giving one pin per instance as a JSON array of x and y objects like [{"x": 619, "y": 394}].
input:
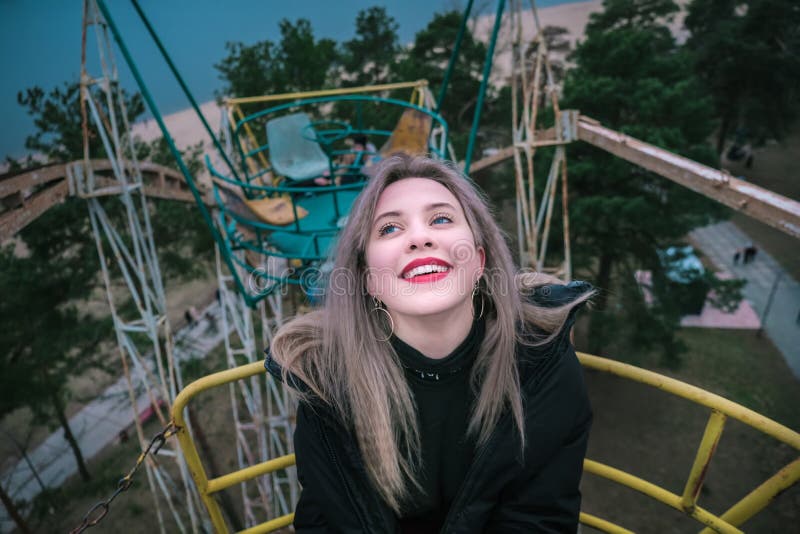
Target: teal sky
[{"x": 40, "y": 42}]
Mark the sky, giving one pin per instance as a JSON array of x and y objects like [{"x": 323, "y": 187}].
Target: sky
[{"x": 40, "y": 42}]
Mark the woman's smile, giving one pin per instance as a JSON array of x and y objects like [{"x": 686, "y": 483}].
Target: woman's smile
[{"x": 426, "y": 270}]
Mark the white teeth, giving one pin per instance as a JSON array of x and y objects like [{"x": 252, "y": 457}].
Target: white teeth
[{"x": 425, "y": 269}]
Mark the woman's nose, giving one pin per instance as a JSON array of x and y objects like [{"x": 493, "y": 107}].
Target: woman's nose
[{"x": 420, "y": 237}]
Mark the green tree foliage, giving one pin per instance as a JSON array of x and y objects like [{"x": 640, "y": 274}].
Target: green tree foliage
[
  {"x": 428, "y": 59},
  {"x": 746, "y": 52},
  {"x": 47, "y": 336},
  {"x": 631, "y": 75},
  {"x": 57, "y": 117},
  {"x": 46, "y": 340},
  {"x": 367, "y": 58},
  {"x": 249, "y": 70},
  {"x": 300, "y": 62},
  {"x": 304, "y": 61}
]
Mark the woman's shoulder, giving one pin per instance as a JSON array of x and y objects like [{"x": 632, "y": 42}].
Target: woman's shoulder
[
  {"x": 555, "y": 308},
  {"x": 278, "y": 373},
  {"x": 555, "y": 304},
  {"x": 556, "y": 294}
]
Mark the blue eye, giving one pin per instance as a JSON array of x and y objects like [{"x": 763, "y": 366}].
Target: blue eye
[
  {"x": 441, "y": 219},
  {"x": 387, "y": 229}
]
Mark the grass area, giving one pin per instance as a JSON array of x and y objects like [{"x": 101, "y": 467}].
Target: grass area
[
  {"x": 736, "y": 364},
  {"x": 654, "y": 435},
  {"x": 743, "y": 368},
  {"x": 133, "y": 510}
]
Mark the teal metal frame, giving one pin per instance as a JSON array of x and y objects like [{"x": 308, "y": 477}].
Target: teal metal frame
[
  {"x": 224, "y": 233},
  {"x": 298, "y": 105},
  {"x": 487, "y": 69}
]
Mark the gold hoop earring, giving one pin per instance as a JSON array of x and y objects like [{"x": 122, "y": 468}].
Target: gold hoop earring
[
  {"x": 475, "y": 291},
  {"x": 379, "y": 307}
]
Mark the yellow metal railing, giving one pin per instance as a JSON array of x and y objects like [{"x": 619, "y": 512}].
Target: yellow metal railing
[
  {"x": 207, "y": 488},
  {"x": 250, "y": 143},
  {"x": 721, "y": 410}
]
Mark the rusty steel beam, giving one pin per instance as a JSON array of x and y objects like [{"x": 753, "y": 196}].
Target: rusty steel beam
[
  {"x": 14, "y": 220},
  {"x": 545, "y": 137},
  {"x": 26, "y": 199},
  {"x": 776, "y": 210},
  {"x": 169, "y": 191},
  {"x": 31, "y": 179},
  {"x": 490, "y": 161},
  {"x": 37, "y": 177}
]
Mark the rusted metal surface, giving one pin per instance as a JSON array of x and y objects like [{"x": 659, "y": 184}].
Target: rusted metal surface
[
  {"x": 14, "y": 220},
  {"x": 762, "y": 204},
  {"x": 545, "y": 137},
  {"x": 769, "y": 207},
  {"x": 706, "y": 450},
  {"x": 759, "y": 498},
  {"x": 29, "y": 194},
  {"x": 31, "y": 179}
]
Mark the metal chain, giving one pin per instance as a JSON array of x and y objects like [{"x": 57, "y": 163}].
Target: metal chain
[{"x": 97, "y": 512}]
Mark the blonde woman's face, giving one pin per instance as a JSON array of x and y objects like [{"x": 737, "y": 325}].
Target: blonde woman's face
[{"x": 421, "y": 253}]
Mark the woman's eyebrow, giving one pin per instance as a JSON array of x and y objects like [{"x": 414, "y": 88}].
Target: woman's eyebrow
[{"x": 429, "y": 207}]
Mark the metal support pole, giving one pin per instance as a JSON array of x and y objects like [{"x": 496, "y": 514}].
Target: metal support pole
[
  {"x": 453, "y": 57},
  {"x": 487, "y": 69},
  {"x": 184, "y": 87}
]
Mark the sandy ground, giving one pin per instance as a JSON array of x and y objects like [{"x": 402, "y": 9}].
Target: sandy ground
[{"x": 572, "y": 17}]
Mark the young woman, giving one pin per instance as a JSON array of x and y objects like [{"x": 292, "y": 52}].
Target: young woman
[{"x": 439, "y": 391}]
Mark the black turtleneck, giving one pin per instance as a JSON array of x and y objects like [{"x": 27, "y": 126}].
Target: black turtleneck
[{"x": 444, "y": 400}]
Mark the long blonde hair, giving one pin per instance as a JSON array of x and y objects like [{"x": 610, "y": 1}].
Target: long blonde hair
[{"x": 336, "y": 350}]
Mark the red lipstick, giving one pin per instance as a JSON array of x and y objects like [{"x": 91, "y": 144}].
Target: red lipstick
[{"x": 428, "y": 277}]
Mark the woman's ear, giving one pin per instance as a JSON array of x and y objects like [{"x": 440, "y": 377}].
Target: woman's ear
[{"x": 482, "y": 255}]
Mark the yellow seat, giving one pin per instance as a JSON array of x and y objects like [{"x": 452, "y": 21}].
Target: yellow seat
[
  {"x": 275, "y": 210},
  {"x": 271, "y": 210},
  {"x": 410, "y": 135}
]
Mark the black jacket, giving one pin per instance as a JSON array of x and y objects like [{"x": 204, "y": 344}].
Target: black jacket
[{"x": 502, "y": 492}]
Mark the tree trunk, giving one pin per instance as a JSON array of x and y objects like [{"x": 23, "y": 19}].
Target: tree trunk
[
  {"x": 723, "y": 133},
  {"x": 597, "y": 330},
  {"x": 58, "y": 406},
  {"x": 13, "y": 512}
]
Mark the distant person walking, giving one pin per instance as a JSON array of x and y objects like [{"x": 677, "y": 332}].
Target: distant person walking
[
  {"x": 750, "y": 253},
  {"x": 737, "y": 256}
]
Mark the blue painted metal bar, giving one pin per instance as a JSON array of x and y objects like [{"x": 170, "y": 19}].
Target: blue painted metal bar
[
  {"x": 453, "y": 57},
  {"x": 148, "y": 98},
  {"x": 487, "y": 69},
  {"x": 183, "y": 85}
]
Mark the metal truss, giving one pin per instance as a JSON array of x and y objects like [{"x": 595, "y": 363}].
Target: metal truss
[
  {"x": 531, "y": 88},
  {"x": 124, "y": 237},
  {"x": 263, "y": 411}
]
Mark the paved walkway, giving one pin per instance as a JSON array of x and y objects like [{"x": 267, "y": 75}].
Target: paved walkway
[
  {"x": 98, "y": 423},
  {"x": 782, "y": 322}
]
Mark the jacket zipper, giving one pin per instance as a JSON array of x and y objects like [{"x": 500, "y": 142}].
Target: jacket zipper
[
  {"x": 339, "y": 470},
  {"x": 452, "y": 514}
]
